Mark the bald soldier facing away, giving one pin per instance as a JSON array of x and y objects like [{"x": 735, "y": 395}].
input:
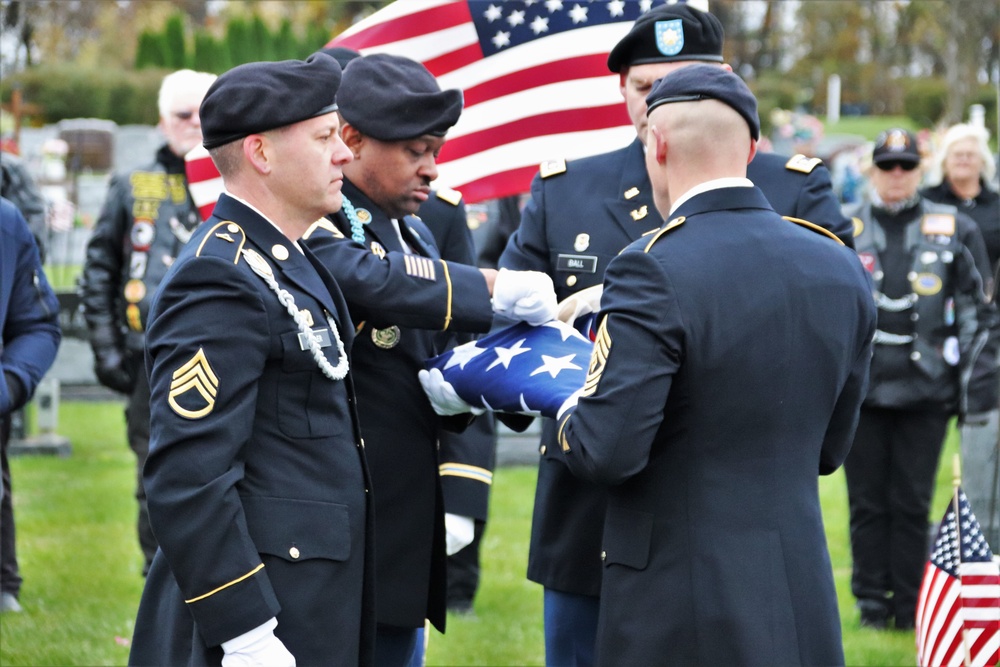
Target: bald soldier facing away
[{"x": 731, "y": 359}]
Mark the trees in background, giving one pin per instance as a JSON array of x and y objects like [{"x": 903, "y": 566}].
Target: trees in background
[{"x": 927, "y": 58}]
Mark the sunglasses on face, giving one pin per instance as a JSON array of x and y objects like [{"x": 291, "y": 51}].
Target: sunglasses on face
[
  {"x": 889, "y": 166},
  {"x": 183, "y": 115}
]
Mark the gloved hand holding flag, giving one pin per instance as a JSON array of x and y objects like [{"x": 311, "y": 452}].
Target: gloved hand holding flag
[{"x": 522, "y": 369}]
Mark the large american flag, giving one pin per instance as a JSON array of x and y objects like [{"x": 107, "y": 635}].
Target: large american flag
[
  {"x": 534, "y": 74},
  {"x": 958, "y": 612},
  {"x": 522, "y": 369}
]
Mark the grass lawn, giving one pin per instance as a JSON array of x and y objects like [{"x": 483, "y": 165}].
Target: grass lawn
[{"x": 81, "y": 562}]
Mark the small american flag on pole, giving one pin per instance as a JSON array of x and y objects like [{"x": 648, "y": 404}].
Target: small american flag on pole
[
  {"x": 534, "y": 74},
  {"x": 958, "y": 611}
]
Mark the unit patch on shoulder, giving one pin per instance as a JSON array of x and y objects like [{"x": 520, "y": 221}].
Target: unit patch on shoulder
[
  {"x": 551, "y": 168},
  {"x": 193, "y": 388},
  {"x": 938, "y": 224},
  {"x": 226, "y": 231},
  {"x": 814, "y": 227},
  {"x": 420, "y": 267},
  {"x": 800, "y": 162},
  {"x": 670, "y": 226},
  {"x": 453, "y": 197}
]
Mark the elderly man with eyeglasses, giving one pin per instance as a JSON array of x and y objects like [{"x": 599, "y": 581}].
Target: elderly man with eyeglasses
[
  {"x": 147, "y": 217},
  {"x": 931, "y": 360}
]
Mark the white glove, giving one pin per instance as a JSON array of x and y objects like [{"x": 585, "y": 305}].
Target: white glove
[
  {"x": 257, "y": 648},
  {"x": 459, "y": 531},
  {"x": 443, "y": 397},
  {"x": 525, "y": 295}
]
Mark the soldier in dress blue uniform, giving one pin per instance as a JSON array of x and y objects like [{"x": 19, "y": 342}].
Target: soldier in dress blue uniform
[
  {"x": 258, "y": 488},
  {"x": 467, "y": 459},
  {"x": 395, "y": 117},
  {"x": 577, "y": 220},
  {"x": 720, "y": 386}
]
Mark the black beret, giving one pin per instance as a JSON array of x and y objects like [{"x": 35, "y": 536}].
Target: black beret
[
  {"x": 706, "y": 82},
  {"x": 391, "y": 98},
  {"x": 262, "y": 96},
  {"x": 668, "y": 33},
  {"x": 341, "y": 54}
]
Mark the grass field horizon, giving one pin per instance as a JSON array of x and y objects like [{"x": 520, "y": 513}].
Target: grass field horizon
[{"x": 82, "y": 565}]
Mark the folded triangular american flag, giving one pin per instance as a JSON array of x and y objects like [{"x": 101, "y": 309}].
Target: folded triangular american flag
[
  {"x": 958, "y": 611},
  {"x": 522, "y": 369}
]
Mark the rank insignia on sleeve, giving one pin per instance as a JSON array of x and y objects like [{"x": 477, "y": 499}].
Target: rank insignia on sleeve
[
  {"x": 599, "y": 357},
  {"x": 800, "y": 162},
  {"x": 324, "y": 224},
  {"x": 193, "y": 388},
  {"x": 420, "y": 267}
]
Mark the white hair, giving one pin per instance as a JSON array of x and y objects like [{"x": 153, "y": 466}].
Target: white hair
[
  {"x": 957, "y": 133},
  {"x": 182, "y": 80}
]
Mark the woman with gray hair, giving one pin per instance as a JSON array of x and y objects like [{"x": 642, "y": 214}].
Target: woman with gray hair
[{"x": 963, "y": 168}]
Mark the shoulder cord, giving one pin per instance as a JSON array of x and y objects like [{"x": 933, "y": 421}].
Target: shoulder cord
[
  {"x": 338, "y": 372},
  {"x": 357, "y": 228}
]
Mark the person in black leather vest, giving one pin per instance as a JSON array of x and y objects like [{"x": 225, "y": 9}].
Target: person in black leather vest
[
  {"x": 931, "y": 361},
  {"x": 148, "y": 215}
]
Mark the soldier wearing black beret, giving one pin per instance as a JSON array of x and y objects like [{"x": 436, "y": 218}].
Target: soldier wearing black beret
[
  {"x": 395, "y": 118},
  {"x": 713, "y": 514},
  {"x": 256, "y": 477},
  {"x": 580, "y": 215}
]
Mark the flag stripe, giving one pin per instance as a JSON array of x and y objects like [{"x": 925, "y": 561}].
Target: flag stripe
[
  {"x": 532, "y": 152},
  {"x": 403, "y": 20},
  {"x": 562, "y": 96},
  {"x": 565, "y": 69},
  {"x": 575, "y": 120},
  {"x": 501, "y": 184}
]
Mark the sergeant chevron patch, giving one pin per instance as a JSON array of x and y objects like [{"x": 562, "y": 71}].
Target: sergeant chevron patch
[
  {"x": 193, "y": 388},
  {"x": 602, "y": 348}
]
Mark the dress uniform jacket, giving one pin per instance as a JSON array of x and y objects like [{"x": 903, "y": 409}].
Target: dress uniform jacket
[
  {"x": 730, "y": 363},
  {"x": 467, "y": 458},
  {"x": 579, "y": 217},
  {"x": 257, "y": 483},
  {"x": 399, "y": 426}
]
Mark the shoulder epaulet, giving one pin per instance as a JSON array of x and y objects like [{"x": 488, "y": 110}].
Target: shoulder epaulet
[
  {"x": 551, "y": 168},
  {"x": 324, "y": 224},
  {"x": 800, "y": 162},
  {"x": 669, "y": 227},
  {"x": 814, "y": 227},
  {"x": 223, "y": 240},
  {"x": 453, "y": 197}
]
